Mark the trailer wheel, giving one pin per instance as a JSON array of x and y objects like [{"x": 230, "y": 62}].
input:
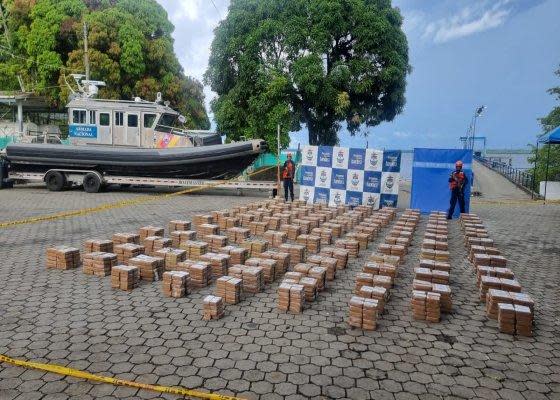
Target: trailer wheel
[
  {"x": 56, "y": 181},
  {"x": 92, "y": 183},
  {"x": 4, "y": 183}
]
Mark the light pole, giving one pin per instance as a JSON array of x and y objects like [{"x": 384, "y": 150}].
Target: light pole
[{"x": 478, "y": 112}]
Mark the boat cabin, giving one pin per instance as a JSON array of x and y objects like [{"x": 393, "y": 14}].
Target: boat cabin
[{"x": 135, "y": 123}]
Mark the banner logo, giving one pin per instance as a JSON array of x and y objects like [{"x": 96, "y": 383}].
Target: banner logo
[
  {"x": 337, "y": 200},
  {"x": 371, "y": 201},
  {"x": 373, "y": 159},
  {"x": 323, "y": 176},
  {"x": 321, "y": 197},
  {"x": 306, "y": 194},
  {"x": 390, "y": 182},
  {"x": 339, "y": 179},
  {"x": 389, "y": 203},
  {"x": 309, "y": 155},
  {"x": 373, "y": 182},
  {"x": 355, "y": 179},
  {"x": 340, "y": 157},
  {"x": 392, "y": 161}
]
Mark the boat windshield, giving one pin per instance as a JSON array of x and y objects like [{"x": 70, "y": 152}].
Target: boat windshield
[{"x": 166, "y": 123}]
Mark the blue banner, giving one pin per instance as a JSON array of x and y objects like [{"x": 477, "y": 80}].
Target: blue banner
[
  {"x": 391, "y": 161},
  {"x": 338, "y": 179},
  {"x": 324, "y": 156},
  {"x": 307, "y": 175},
  {"x": 372, "y": 182},
  {"x": 357, "y": 158},
  {"x": 321, "y": 196},
  {"x": 342, "y": 175},
  {"x": 431, "y": 169},
  {"x": 82, "y": 131}
]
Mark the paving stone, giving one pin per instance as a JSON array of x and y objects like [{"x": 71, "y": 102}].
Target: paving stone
[
  {"x": 81, "y": 322},
  {"x": 285, "y": 388},
  {"x": 390, "y": 386},
  {"x": 238, "y": 385},
  {"x": 406, "y": 396},
  {"x": 334, "y": 392}
]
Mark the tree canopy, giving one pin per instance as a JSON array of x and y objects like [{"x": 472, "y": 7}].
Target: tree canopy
[
  {"x": 548, "y": 123},
  {"x": 321, "y": 63},
  {"x": 130, "y": 48}
]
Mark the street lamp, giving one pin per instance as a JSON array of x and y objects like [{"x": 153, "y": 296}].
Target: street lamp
[{"x": 478, "y": 112}]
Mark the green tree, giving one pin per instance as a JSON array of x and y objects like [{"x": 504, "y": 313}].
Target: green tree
[
  {"x": 548, "y": 123},
  {"x": 130, "y": 48},
  {"x": 321, "y": 63}
]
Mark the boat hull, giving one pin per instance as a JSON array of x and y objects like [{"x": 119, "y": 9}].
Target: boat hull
[{"x": 206, "y": 162}]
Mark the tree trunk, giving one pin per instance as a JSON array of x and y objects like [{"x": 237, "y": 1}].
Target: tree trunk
[
  {"x": 313, "y": 133},
  {"x": 322, "y": 132}
]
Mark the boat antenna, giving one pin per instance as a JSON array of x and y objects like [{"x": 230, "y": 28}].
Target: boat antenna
[
  {"x": 86, "y": 53},
  {"x": 20, "y": 81},
  {"x": 67, "y": 84}
]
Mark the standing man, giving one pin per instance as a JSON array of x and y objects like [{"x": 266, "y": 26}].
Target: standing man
[
  {"x": 288, "y": 173},
  {"x": 457, "y": 182}
]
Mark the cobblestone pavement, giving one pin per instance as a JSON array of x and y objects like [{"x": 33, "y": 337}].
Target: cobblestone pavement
[{"x": 68, "y": 318}]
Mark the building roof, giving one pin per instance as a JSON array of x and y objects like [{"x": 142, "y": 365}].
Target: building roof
[
  {"x": 30, "y": 101},
  {"x": 89, "y": 103}
]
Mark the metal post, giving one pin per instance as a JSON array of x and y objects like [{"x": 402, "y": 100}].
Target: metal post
[
  {"x": 534, "y": 171},
  {"x": 20, "y": 116},
  {"x": 546, "y": 173},
  {"x": 86, "y": 54},
  {"x": 278, "y": 160}
]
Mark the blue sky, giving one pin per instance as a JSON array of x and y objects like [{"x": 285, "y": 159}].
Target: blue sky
[{"x": 499, "y": 53}]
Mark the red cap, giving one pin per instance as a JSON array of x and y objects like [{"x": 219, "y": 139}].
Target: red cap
[{"x": 459, "y": 163}]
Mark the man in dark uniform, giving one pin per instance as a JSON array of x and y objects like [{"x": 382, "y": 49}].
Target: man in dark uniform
[
  {"x": 288, "y": 173},
  {"x": 457, "y": 183}
]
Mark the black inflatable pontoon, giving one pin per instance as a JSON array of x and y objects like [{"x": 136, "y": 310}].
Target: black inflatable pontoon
[{"x": 222, "y": 161}]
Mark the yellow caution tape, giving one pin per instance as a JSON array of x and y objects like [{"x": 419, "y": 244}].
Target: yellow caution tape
[
  {"x": 76, "y": 373},
  {"x": 119, "y": 204}
]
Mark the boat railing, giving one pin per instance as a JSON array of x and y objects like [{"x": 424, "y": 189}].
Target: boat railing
[
  {"x": 523, "y": 179},
  {"x": 171, "y": 129}
]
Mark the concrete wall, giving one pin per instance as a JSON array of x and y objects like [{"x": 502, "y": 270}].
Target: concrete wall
[{"x": 552, "y": 190}]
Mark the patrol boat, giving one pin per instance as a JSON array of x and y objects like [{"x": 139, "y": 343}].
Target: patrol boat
[
  {"x": 116, "y": 138},
  {"x": 127, "y": 123}
]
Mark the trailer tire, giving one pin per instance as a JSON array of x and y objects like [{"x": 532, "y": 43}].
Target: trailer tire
[
  {"x": 3, "y": 174},
  {"x": 92, "y": 183},
  {"x": 56, "y": 181}
]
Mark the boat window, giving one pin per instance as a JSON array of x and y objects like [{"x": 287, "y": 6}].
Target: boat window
[
  {"x": 104, "y": 119},
  {"x": 79, "y": 116},
  {"x": 166, "y": 123},
  {"x": 92, "y": 120},
  {"x": 119, "y": 118},
  {"x": 149, "y": 120},
  {"x": 132, "y": 120}
]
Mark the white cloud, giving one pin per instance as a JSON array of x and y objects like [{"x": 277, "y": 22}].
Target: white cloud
[
  {"x": 468, "y": 21},
  {"x": 401, "y": 134},
  {"x": 194, "y": 22},
  {"x": 412, "y": 21}
]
